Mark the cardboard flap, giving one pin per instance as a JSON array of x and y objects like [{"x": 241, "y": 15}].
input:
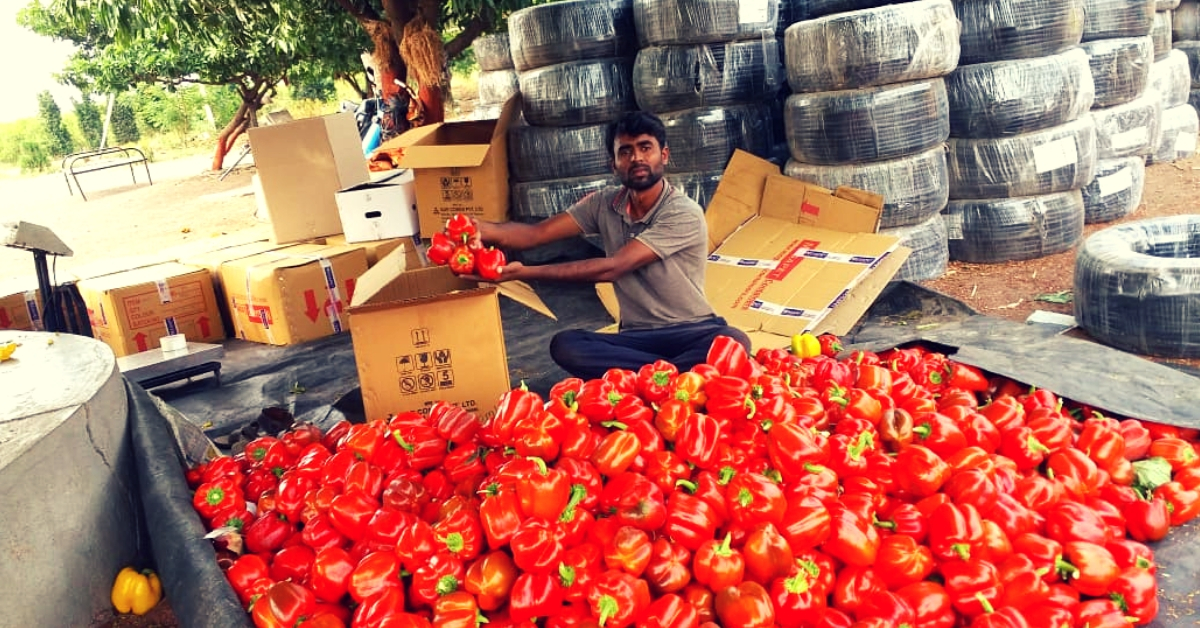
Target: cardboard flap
[
  {"x": 522, "y": 293},
  {"x": 844, "y": 317},
  {"x": 410, "y": 137},
  {"x": 608, "y": 297},
  {"x": 803, "y": 203},
  {"x": 862, "y": 197},
  {"x": 389, "y": 281},
  {"x": 461, "y": 156},
  {"x": 738, "y": 196}
]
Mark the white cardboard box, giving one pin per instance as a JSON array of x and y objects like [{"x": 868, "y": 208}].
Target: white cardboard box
[{"x": 379, "y": 210}]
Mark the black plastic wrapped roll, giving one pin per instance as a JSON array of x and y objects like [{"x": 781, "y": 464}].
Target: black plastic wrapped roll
[
  {"x": 1191, "y": 49},
  {"x": 497, "y": 86},
  {"x": 567, "y": 250},
  {"x": 1166, "y": 5},
  {"x": 577, "y": 92},
  {"x": 1137, "y": 286},
  {"x": 991, "y": 231},
  {"x": 812, "y": 9},
  {"x": 870, "y": 124},
  {"x": 1177, "y": 138},
  {"x": 1008, "y": 98},
  {"x": 1185, "y": 21},
  {"x": 1043, "y": 162},
  {"x": 670, "y": 78},
  {"x": 539, "y": 153},
  {"x": 1120, "y": 68},
  {"x": 1116, "y": 191},
  {"x": 1171, "y": 77},
  {"x": 543, "y": 199},
  {"x": 1128, "y": 129},
  {"x": 703, "y": 139},
  {"x": 667, "y": 22},
  {"x": 1109, "y": 19},
  {"x": 930, "y": 253},
  {"x": 890, "y": 44},
  {"x": 913, "y": 188},
  {"x": 994, "y": 30},
  {"x": 490, "y": 111},
  {"x": 698, "y": 186},
  {"x": 571, "y": 30},
  {"x": 492, "y": 52},
  {"x": 1161, "y": 34}
]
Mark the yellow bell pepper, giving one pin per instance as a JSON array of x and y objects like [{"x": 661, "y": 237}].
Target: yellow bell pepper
[
  {"x": 136, "y": 591},
  {"x": 805, "y": 346}
]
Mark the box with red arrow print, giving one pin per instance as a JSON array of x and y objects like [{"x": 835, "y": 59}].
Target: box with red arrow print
[{"x": 20, "y": 305}]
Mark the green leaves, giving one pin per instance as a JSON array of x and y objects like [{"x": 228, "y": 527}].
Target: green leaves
[{"x": 1151, "y": 473}]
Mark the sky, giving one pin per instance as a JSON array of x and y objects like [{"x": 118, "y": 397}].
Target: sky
[{"x": 30, "y": 62}]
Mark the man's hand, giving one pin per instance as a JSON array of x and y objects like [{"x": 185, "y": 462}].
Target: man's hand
[{"x": 511, "y": 271}]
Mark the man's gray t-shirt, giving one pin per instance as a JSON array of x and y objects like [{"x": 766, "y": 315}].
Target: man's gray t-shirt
[{"x": 671, "y": 290}]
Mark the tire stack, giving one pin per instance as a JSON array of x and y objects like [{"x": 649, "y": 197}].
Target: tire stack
[
  {"x": 497, "y": 78},
  {"x": 1185, "y": 37},
  {"x": 1171, "y": 78},
  {"x": 710, "y": 69},
  {"x": 868, "y": 110},
  {"x": 573, "y": 63}
]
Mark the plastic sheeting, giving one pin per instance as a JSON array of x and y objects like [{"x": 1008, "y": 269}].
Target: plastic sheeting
[
  {"x": 539, "y": 153},
  {"x": 665, "y": 22},
  {"x": 1192, "y": 50},
  {"x": 812, "y": 9},
  {"x": 1129, "y": 129},
  {"x": 1008, "y": 229},
  {"x": 870, "y": 124},
  {"x": 1177, "y": 137},
  {"x": 577, "y": 92},
  {"x": 1116, "y": 191},
  {"x": 1044, "y": 162},
  {"x": 574, "y": 30},
  {"x": 671, "y": 78},
  {"x": 1166, "y": 5},
  {"x": 492, "y": 52},
  {"x": 497, "y": 86},
  {"x": 890, "y": 44},
  {"x": 543, "y": 199},
  {"x": 704, "y": 139},
  {"x": 698, "y": 186},
  {"x": 1008, "y": 98},
  {"x": 1137, "y": 286},
  {"x": 913, "y": 188},
  {"x": 1108, "y": 19},
  {"x": 994, "y": 30},
  {"x": 1171, "y": 77},
  {"x": 930, "y": 254},
  {"x": 1120, "y": 68},
  {"x": 1161, "y": 34},
  {"x": 1185, "y": 21}
]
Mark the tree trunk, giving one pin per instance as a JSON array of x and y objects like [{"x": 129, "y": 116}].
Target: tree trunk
[
  {"x": 389, "y": 66},
  {"x": 228, "y": 135}
]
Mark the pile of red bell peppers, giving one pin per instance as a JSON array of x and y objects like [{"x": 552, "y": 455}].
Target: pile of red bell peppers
[
  {"x": 878, "y": 490},
  {"x": 459, "y": 248}
]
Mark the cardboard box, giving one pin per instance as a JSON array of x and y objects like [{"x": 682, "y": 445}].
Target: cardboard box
[
  {"x": 379, "y": 249},
  {"x": 294, "y": 294},
  {"x": 214, "y": 260},
  {"x": 425, "y": 335},
  {"x": 203, "y": 245},
  {"x": 460, "y": 167},
  {"x": 131, "y": 310},
  {"x": 378, "y": 210},
  {"x": 20, "y": 305},
  {"x": 301, "y": 166},
  {"x": 788, "y": 257}
]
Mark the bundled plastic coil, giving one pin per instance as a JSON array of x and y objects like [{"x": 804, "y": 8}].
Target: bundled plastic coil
[
  {"x": 930, "y": 254},
  {"x": 1043, "y": 162},
  {"x": 1128, "y": 129},
  {"x": 703, "y": 139},
  {"x": 543, "y": 199},
  {"x": 1177, "y": 139},
  {"x": 572, "y": 30},
  {"x": 698, "y": 186},
  {"x": 497, "y": 86},
  {"x": 1166, "y": 5},
  {"x": 569, "y": 249},
  {"x": 1120, "y": 68},
  {"x": 1108, "y": 19},
  {"x": 1172, "y": 78},
  {"x": 670, "y": 78},
  {"x": 487, "y": 111},
  {"x": 665, "y": 22},
  {"x": 1018, "y": 96},
  {"x": 991, "y": 231},
  {"x": 869, "y": 124},
  {"x": 539, "y": 153},
  {"x": 1191, "y": 49},
  {"x": 913, "y": 188},
  {"x": 1161, "y": 34},
  {"x": 812, "y": 9},
  {"x": 890, "y": 44},
  {"x": 1194, "y": 99},
  {"x": 1116, "y": 191},
  {"x": 492, "y": 52},
  {"x": 994, "y": 30},
  {"x": 1185, "y": 21},
  {"x": 1137, "y": 286},
  {"x": 577, "y": 92}
]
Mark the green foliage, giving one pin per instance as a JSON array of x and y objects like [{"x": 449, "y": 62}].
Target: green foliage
[
  {"x": 34, "y": 156},
  {"x": 24, "y": 143},
  {"x": 123, "y": 124},
  {"x": 313, "y": 87},
  {"x": 176, "y": 111},
  {"x": 91, "y": 120},
  {"x": 51, "y": 116}
]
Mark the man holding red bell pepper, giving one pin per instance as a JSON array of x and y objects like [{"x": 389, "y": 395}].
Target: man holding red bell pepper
[{"x": 656, "y": 246}]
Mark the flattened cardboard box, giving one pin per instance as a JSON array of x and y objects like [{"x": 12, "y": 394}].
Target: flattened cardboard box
[
  {"x": 20, "y": 305},
  {"x": 788, "y": 257},
  {"x": 378, "y": 249},
  {"x": 425, "y": 335},
  {"x": 131, "y": 310},
  {"x": 293, "y": 294}
]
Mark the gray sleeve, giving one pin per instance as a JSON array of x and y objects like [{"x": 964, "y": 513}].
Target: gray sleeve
[
  {"x": 586, "y": 213},
  {"x": 679, "y": 225}
]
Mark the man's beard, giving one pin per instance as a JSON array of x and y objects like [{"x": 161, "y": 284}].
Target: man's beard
[{"x": 641, "y": 185}]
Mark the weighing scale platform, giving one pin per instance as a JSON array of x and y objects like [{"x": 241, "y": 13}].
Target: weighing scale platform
[{"x": 155, "y": 368}]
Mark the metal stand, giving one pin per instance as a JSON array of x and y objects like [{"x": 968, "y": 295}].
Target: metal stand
[{"x": 50, "y": 313}]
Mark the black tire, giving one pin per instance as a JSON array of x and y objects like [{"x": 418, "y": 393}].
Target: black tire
[
  {"x": 1120, "y": 68},
  {"x": 930, "y": 251},
  {"x": 497, "y": 86},
  {"x": 1116, "y": 191},
  {"x": 540, "y": 153},
  {"x": 1137, "y": 286},
  {"x": 1043, "y": 162},
  {"x": 1129, "y": 129},
  {"x": 1171, "y": 77},
  {"x": 995, "y": 30},
  {"x": 1192, "y": 50},
  {"x": 571, "y": 30},
  {"x": 668, "y": 22},
  {"x": 698, "y": 186},
  {"x": 913, "y": 188},
  {"x": 890, "y": 44},
  {"x": 1109, "y": 19},
  {"x": 704, "y": 139},
  {"x": 1008, "y": 98},
  {"x": 577, "y": 93},
  {"x": 1177, "y": 139},
  {"x": 538, "y": 200},
  {"x": 492, "y": 52},
  {"x": 1161, "y": 34},
  {"x": 992, "y": 231},
  {"x": 671, "y": 78},
  {"x": 870, "y": 124},
  {"x": 1185, "y": 22}
]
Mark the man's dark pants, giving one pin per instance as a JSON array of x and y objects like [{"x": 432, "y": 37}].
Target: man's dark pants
[{"x": 588, "y": 355}]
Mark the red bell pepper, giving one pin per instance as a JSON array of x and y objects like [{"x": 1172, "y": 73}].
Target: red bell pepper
[
  {"x": 462, "y": 260},
  {"x": 669, "y": 569},
  {"x": 852, "y": 539},
  {"x": 284, "y": 604},
  {"x": 717, "y": 565},
  {"x": 1088, "y": 567},
  {"x": 930, "y": 604},
  {"x": 747, "y": 605},
  {"x": 460, "y": 228},
  {"x": 690, "y": 520},
  {"x": 919, "y": 471},
  {"x": 635, "y": 501},
  {"x": 970, "y": 584},
  {"x": 216, "y": 496},
  {"x": 461, "y": 534},
  {"x": 767, "y": 554},
  {"x": 670, "y": 611},
  {"x": 535, "y": 595},
  {"x": 654, "y": 381},
  {"x": 618, "y": 599},
  {"x": 489, "y": 263},
  {"x": 244, "y": 572},
  {"x": 902, "y": 561},
  {"x": 442, "y": 574},
  {"x": 754, "y": 498},
  {"x": 1183, "y": 503},
  {"x": 729, "y": 357},
  {"x": 268, "y": 532},
  {"x": 697, "y": 439},
  {"x": 441, "y": 248},
  {"x": 1136, "y": 592},
  {"x": 490, "y": 579},
  {"x": 598, "y": 399},
  {"x": 629, "y": 550}
]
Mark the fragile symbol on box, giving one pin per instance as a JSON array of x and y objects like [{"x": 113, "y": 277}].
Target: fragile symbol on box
[
  {"x": 424, "y": 361},
  {"x": 445, "y": 378},
  {"x": 457, "y": 196},
  {"x": 425, "y": 382}
]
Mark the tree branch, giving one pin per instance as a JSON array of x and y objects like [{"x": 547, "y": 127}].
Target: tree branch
[
  {"x": 360, "y": 10},
  {"x": 473, "y": 29}
]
